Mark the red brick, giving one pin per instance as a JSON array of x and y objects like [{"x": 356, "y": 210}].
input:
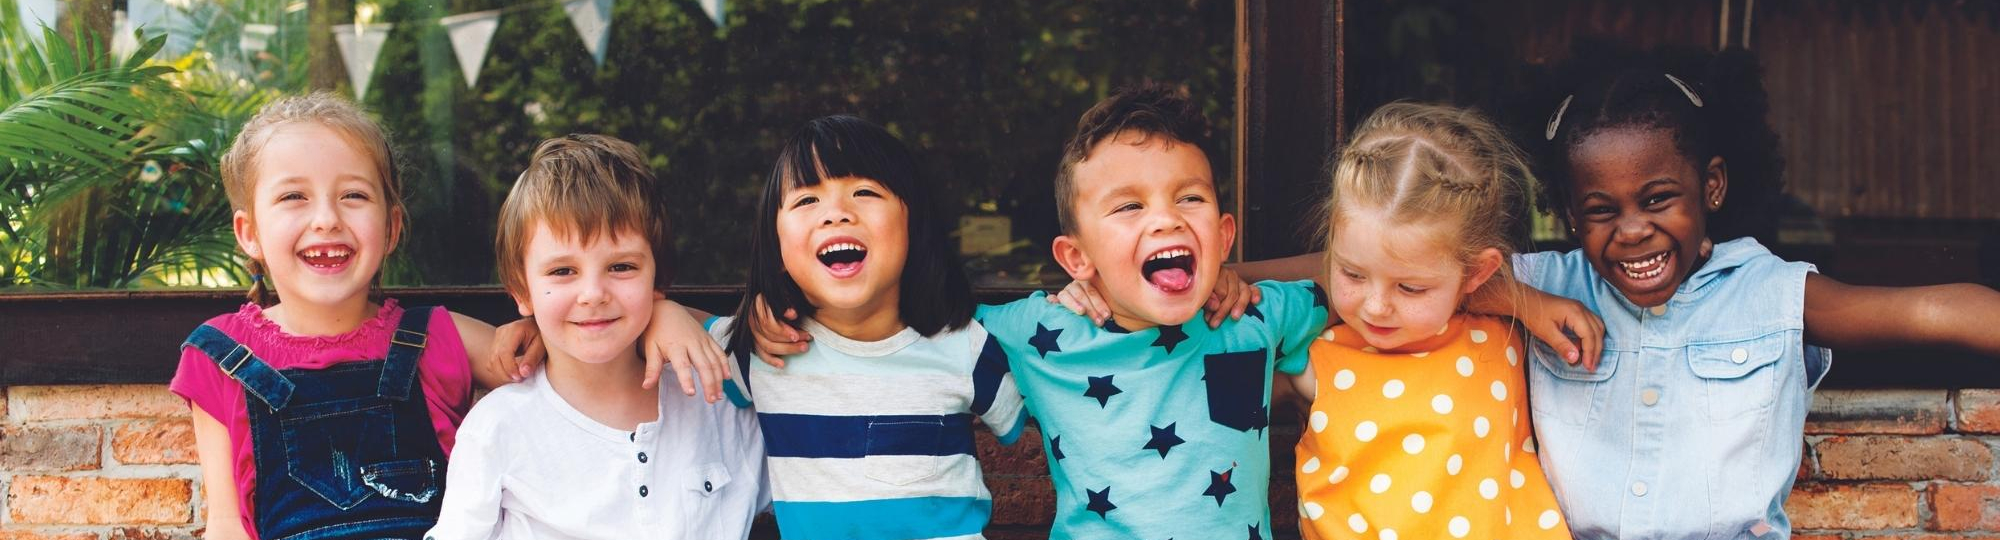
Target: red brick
[
  {"x": 1019, "y": 500},
  {"x": 40, "y": 403},
  {"x": 1881, "y": 457},
  {"x": 1960, "y": 507},
  {"x": 1815, "y": 537},
  {"x": 56, "y": 500},
  {"x": 154, "y": 442},
  {"x": 1894, "y": 412},
  {"x": 1862, "y": 507},
  {"x": 49, "y": 448},
  {"x": 1806, "y": 464},
  {"x": 21, "y": 534},
  {"x": 137, "y": 533},
  {"x": 1978, "y": 410}
]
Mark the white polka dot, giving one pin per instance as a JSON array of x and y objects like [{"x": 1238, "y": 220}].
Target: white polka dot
[
  {"x": 1516, "y": 479},
  {"x": 1379, "y": 484},
  {"x": 1388, "y": 534},
  {"x": 1548, "y": 519},
  {"x": 1357, "y": 523},
  {"x": 1370, "y": 350},
  {"x": 1454, "y": 464},
  {"x": 1421, "y": 502},
  {"x": 1460, "y": 527},
  {"x": 1392, "y": 389},
  {"x": 1365, "y": 431},
  {"x": 1510, "y": 515},
  {"x": 1319, "y": 421},
  {"x": 1499, "y": 391},
  {"x": 1339, "y": 474},
  {"x": 1420, "y": 354},
  {"x": 1446, "y": 328},
  {"x": 1302, "y": 510},
  {"x": 1513, "y": 358},
  {"x": 1342, "y": 380},
  {"x": 1479, "y": 427},
  {"x": 1414, "y": 444},
  {"x": 1311, "y": 466},
  {"x": 1478, "y": 336},
  {"x": 1529, "y": 446},
  {"x": 1465, "y": 366},
  {"x": 1314, "y": 511},
  {"x": 1507, "y": 452},
  {"x": 1517, "y": 417},
  {"x": 1441, "y": 404},
  {"x": 1489, "y": 489}
]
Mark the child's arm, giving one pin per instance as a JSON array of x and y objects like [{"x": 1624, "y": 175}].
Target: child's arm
[
  {"x": 676, "y": 338},
  {"x": 218, "y": 479},
  {"x": 1231, "y": 297},
  {"x": 1839, "y": 315},
  {"x": 777, "y": 338},
  {"x": 492, "y": 363}
]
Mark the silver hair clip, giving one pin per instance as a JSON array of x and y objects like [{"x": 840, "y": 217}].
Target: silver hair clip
[
  {"x": 1556, "y": 120},
  {"x": 1696, "y": 100}
]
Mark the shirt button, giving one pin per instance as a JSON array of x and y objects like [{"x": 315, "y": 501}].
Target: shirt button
[
  {"x": 1659, "y": 310},
  {"x": 1739, "y": 355},
  {"x": 1639, "y": 489},
  {"x": 642, "y": 491},
  {"x": 642, "y": 457},
  {"x": 1649, "y": 396},
  {"x": 633, "y": 436},
  {"x": 707, "y": 486}
]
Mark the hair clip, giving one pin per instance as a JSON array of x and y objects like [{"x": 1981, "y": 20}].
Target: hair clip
[
  {"x": 1556, "y": 120},
  {"x": 1696, "y": 100}
]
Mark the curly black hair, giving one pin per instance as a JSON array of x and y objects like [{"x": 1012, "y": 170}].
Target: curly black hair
[{"x": 1609, "y": 86}]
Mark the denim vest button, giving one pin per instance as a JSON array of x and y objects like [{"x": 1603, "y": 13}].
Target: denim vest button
[
  {"x": 1649, "y": 396},
  {"x": 1739, "y": 355},
  {"x": 642, "y": 491},
  {"x": 1659, "y": 310},
  {"x": 642, "y": 457},
  {"x": 1639, "y": 489}
]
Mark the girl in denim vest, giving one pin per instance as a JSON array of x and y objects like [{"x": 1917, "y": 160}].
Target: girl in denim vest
[
  {"x": 321, "y": 412},
  {"x": 1691, "y": 425}
]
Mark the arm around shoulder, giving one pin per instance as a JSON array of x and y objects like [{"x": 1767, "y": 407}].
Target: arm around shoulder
[
  {"x": 218, "y": 479},
  {"x": 1839, "y": 315}
]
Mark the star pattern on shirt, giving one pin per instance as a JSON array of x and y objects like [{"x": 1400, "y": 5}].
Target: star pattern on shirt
[
  {"x": 1253, "y": 312},
  {"x": 1112, "y": 326},
  {"x": 1102, "y": 389},
  {"x": 1055, "y": 448},
  {"x": 1219, "y": 485},
  {"x": 1164, "y": 439},
  {"x": 1169, "y": 337},
  {"x": 1045, "y": 340},
  {"x": 1254, "y": 535},
  {"x": 1100, "y": 502}
]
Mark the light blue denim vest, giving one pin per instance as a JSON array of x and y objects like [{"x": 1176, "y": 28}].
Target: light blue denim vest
[{"x": 1692, "y": 425}]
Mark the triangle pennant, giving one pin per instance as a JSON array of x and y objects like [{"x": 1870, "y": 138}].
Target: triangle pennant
[
  {"x": 470, "y": 34},
  {"x": 714, "y": 9},
  {"x": 593, "y": 23},
  {"x": 360, "y": 45}
]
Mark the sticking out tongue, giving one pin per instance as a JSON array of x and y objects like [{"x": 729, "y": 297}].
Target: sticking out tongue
[{"x": 1171, "y": 279}]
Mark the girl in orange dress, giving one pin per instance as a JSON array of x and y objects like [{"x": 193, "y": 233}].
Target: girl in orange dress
[{"x": 1418, "y": 428}]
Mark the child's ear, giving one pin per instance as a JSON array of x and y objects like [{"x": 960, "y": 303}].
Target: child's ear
[
  {"x": 522, "y": 305},
  {"x": 1715, "y": 184},
  {"x": 1228, "y": 234},
  {"x": 395, "y": 229},
  {"x": 246, "y": 234},
  {"x": 1483, "y": 267},
  {"x": 1070, "y": 255}
]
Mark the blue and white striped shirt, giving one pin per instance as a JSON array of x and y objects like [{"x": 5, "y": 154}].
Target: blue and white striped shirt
[{"x": 873, "y": 440}]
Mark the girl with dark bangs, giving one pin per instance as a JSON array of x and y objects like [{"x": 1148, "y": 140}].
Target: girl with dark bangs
[{"x": 873, "y": 432}]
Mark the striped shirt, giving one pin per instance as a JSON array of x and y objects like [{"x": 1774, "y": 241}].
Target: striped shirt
[{"x": 873, "y": 439}]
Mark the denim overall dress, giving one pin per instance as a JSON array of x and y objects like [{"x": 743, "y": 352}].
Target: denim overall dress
[{"x": 345, "y": 452}]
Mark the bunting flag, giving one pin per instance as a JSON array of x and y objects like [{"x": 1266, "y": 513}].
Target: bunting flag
[
  {"x": 38, "y": 13},
  {"x": 714, "y": 9},
  {"x": 360, "y": 45},
  {"x": 470, "y": 34},
  {"x": 256, "y": 38},
  {"x": 593, "y": 23}
]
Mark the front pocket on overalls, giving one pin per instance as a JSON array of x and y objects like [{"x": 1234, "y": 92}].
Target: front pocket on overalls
[
  {"x": 409, "y": 480},
  {"x": 1235, "y": 383},
  {"x": 899, "y": 451},
  {"x": 327, "y": 446},
  {"x": 1739, "y": 377}
]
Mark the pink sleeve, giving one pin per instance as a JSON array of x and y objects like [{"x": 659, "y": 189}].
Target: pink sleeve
[
  {"x": 204, "y": 385},
  {"x": 447, "y": 378}
]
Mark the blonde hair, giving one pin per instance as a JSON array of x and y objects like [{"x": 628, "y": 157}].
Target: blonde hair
[
  {"x": 239, "y": 164},
  {"x": 582, "y": 186},
  {"x": 1434, "y": 164}
]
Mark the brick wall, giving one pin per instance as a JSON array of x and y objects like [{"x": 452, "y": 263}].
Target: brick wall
[{"x": 117, "y": 462}]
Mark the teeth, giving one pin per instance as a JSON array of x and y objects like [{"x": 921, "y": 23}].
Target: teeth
[
  {"x": 1646, "y": 268},
  {"x": 1171, "y": 253},
  {"x": 842, "y": 246},
  {"x": 326, "y": 252}
]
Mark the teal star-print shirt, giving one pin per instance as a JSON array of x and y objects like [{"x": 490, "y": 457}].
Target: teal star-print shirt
[{"x": 1158, "y": 433}]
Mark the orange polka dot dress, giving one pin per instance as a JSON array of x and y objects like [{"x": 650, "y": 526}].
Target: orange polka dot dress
[{"x": 1423, "y": 445}]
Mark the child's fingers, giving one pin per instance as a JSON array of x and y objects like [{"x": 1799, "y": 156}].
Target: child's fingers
[
  {"x": 1593, "y": 342},
  {"x": 1100, "y": 311},
  {"x": 770, "y": 359},
  {"x": 531, "y": 357},
  {"x": 711, "y": 368},
  {"x": 683, "y": 372}
]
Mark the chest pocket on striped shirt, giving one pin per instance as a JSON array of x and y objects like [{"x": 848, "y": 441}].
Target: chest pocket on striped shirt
[{"x": 904, "y": 450}]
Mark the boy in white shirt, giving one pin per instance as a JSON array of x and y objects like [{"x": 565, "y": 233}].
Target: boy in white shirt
[{"x": 581, "y": 450}]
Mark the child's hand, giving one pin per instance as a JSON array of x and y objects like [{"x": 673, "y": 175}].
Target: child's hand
[
  {"x": 674, "y": 338},
  {"x": 1554, "y": 320},
  {"x": 517, "y": 349},
  {"x": 775, "y": 338},
  {"x": 1082, "y": 299},
  {"x": 1232, "y": 296}
]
